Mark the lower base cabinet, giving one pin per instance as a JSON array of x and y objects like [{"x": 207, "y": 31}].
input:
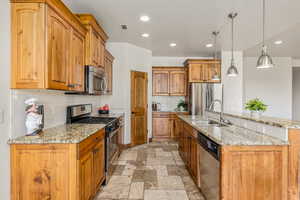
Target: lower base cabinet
[
  {"x": 246, "y": 172},
  {"x": 58, "y": 171}
]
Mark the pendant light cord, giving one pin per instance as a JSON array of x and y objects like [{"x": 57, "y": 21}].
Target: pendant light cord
[
  {"x": 232, "y": 43},
  {"x": 264, "y": 21}
]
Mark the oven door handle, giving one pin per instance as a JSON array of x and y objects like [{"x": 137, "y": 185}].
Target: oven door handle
[{"x": 113, "y": 133}]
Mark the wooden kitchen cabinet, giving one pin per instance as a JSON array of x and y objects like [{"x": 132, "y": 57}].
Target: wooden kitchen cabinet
[
  {"x": 162, "y": 128},
  {"x": 95, "y": 41},
  {"x": 86, "y": 176},
  {"x": 108, "y": 68},
  {"x": 160, "y": 83},
  {"x": 76, "y": 71},
  {"x": 202, "y": 71},
  {"x": 178, "y": 83},
  {"x": 245, "y": 172},
  {"x": 169, "y": 81},
  {"x": 42, "y": 41},
  {"x": 254, "y": 172},
  {"x": 58, "y": 171}
]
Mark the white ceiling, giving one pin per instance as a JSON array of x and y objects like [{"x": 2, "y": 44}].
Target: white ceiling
[{"x": 189, "y": 23}]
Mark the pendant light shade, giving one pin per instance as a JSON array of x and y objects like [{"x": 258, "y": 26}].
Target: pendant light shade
[
  {"x": 232, "y": 70},
  {"x": 264, "y": 61},
  {"x": 215, "y": 76}
]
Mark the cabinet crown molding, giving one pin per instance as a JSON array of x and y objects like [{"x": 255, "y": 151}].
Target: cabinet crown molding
[{"x": 90, "y": 20}]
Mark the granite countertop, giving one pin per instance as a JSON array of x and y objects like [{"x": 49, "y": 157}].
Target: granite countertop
[
  {"x": 63, "y": 134},
  {"x": 231, "y": 135},
  {"x": 272, "y": 121}
]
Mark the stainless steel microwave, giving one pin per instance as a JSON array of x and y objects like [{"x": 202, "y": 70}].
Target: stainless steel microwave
[{"x": 95, "y": 80}]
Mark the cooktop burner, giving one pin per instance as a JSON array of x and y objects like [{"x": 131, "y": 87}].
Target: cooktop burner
[{"x": 94, "y": 120}]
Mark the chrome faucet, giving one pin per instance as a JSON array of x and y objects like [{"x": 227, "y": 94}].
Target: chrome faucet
[
  {"x": 221, "y": 113},
  {"x": 221, "y": 118}
]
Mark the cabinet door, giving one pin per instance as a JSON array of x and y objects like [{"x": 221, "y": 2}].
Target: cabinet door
[
  {"x": 59, "y": 39},
  {"x": 108, "y": 65},
  {"x": 98, "y": 167},
  {"x": 194, "y": 158},
  {"x": 28, "y": 45},
  {"x": 178, "y": 83},
  {"x": 160, "y": 83},
  {"x": 76, "y": 72},
  {"x": 86, "y": 176},
  {"x": 94, "y": 48},
  {"x": 195, "y": 72},
  {"x": 161, "y": 128},
  {"x": 101, "y": 46}
]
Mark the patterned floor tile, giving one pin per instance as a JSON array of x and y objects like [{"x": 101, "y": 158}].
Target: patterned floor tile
[{"x": 153, "y": 171}]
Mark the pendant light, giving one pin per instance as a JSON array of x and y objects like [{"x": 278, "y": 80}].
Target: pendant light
[
  {"x": 264, "y": 61},
  {"x": 232, "y": 70},
  {"x": 215, "y": 76}
]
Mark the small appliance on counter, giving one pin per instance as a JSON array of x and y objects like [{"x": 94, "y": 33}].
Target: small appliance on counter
[
  {"x": 34, "y": 117},
  {"x": 156, "y": 106},
  {"x": 104, "y": 109}
]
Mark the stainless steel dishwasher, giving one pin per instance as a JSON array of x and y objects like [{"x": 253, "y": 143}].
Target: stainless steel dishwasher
[{"x": 209, "y": 167}]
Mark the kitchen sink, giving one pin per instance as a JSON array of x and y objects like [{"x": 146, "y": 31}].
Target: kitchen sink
[{"x": 209, "y": 122}]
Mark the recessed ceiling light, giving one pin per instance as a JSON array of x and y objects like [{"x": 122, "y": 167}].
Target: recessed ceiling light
[
  {"x": 144, "y": 18},
  {"x": 173, "y": 44},
  {"x": 145, "y": 35},
  {"x": 278, "y": 42},
  {"x": 209, "y": 45}
]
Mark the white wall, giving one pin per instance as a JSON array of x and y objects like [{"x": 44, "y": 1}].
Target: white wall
[
  {"x": 4, "y": 99},
  {"x": 233, "y": 86},
  {"x": 296, "y": 93},
  {"x": 273, "y": 86},
  {"x": 128, "y": 57},
  {"x": 172, "y": 61},
  {"x": 55, "y": 104}
]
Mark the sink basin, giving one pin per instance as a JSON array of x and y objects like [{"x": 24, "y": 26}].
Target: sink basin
[{"x": 209, "y": 122}]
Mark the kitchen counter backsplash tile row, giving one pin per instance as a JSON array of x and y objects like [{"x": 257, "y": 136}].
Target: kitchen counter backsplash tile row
[
  {"x": 231, "y": 135},
  {"x": 167, "y": 103},
  {"x": 251, "y": 124},
  {"x": 55, "y": 104},
  {"x": 65, "y": 134}
]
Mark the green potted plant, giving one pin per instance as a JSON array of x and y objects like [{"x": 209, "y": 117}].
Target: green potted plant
[
  {"x": 256, "y": 107},
  {"x": 182, "y": 105}
]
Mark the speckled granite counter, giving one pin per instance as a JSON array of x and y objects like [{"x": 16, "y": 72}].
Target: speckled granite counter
[
  {"x": 272, "y": 121},
  {"x": 67, "y": 133},
  {"x": 231, "y": 135}
]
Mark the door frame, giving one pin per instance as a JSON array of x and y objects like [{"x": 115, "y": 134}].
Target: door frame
[{"x": 146, "y": 111}]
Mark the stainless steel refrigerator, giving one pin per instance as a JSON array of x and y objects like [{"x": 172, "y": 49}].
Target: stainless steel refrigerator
[{"x": 201, "y": 96}]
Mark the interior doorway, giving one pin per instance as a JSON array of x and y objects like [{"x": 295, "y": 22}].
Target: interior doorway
[{"x": 139, "y": 107}]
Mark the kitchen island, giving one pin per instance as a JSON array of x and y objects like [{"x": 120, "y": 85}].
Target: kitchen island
[
  {"x": 241, "y": 164},
  {"x": 65, "y": 162}
]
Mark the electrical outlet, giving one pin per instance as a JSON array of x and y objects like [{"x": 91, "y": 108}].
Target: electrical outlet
[{"x": 1, "y": 116}]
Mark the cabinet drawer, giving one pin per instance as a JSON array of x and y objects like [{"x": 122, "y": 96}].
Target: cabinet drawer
[
  {"x": 87, "y": 144},
  {"x": 161, "y": 115}
]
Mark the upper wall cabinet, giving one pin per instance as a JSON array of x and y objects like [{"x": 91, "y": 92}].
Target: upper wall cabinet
[
  {"x": 169, "y": 81},
  {"x": 48, "y": 42},
  {"x": 95, "y": 41},
  {"x": 108, "y": 68},
  {"x": 202, "y": 71}
]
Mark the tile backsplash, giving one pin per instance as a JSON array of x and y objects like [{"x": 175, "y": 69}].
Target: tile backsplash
[
  {"x": 55, "y": 103},
  {"x": 168, "y": 103}
]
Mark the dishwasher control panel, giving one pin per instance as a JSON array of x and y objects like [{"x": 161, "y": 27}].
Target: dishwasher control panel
[{"x": 209, "y": 145}]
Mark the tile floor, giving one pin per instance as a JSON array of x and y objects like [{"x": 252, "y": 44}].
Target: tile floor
[{"x": 153, "y": 171}]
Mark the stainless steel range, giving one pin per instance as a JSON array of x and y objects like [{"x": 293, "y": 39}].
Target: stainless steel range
[{"x": 83, "y": 114}]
